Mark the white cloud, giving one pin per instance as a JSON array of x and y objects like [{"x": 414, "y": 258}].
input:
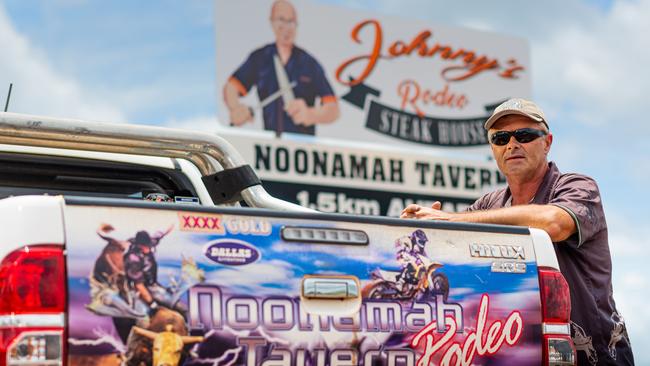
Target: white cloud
[
  {"x": 629, "y": 242},
  {"x": 631, "y": 294},
  {"x": 257, "y": 276},
  {"x": 40, "y": 89},
  {"x": 627, "y": 239},
  {"x": 598, "y": 69},
  {"x": 532, "y": 20},
  {"x": 208, "y": 124}
]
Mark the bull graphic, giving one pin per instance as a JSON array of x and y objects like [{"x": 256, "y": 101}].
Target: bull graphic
[
  {"x": 167, "y": 345},
  {"x": 111, "y": 293},
  {"x": 583, "y": 343},
  {"x": 619, "y": 333},
  {"x": 124, "y": 285}
]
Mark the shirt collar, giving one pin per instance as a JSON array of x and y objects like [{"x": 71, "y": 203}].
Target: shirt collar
[
  {"x": 543, "y": 194},
  {"x": 291, "y": 55}
]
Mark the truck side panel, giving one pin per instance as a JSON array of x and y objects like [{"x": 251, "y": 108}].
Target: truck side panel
[
  {"x": 30, "y": 220},
  {"x": 231, "y": 289}
]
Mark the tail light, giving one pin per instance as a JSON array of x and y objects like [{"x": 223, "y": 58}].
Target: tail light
[
  {"x": 556, "y": 299},
  {"x": 32, "y": 305},
  {"x": 556, "y": 311}
]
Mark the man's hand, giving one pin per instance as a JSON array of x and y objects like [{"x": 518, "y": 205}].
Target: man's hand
[
  {"x": 434, "y": 212},
  {"x": 300, "y": 112},
  {"x": 153, "y": 309},
  {"x": 240, "y": 114},
  {"x": 144, "y": 293}
]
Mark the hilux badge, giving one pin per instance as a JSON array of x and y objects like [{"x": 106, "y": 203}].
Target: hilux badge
[{"x": 497, "y": 251}]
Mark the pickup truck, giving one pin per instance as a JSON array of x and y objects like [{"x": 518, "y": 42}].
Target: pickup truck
[{"x": 142, "y": 245}]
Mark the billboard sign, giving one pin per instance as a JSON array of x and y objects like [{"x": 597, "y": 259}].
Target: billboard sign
[
  {"x": 354, "y": 112},
  {"x": 363, "y": 179},
  {"x": 305, "y": 68}
]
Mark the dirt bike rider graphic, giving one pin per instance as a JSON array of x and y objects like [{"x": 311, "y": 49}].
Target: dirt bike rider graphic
[
  {"x": 411, "y": 256},
  {"x": 417, "y": 276}
]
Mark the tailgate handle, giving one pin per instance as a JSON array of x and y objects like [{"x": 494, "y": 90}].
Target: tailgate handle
[{"x": 330, "y": 287}]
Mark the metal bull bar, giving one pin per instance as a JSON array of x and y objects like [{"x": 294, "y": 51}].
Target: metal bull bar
[{"x": 209, "y": 152}]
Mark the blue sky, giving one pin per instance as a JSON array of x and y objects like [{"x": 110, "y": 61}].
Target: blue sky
[{"x": 153, "y": 62}]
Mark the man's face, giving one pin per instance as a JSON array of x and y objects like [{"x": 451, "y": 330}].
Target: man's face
[
  {"x": 516, "y": 159},
  {"x": 284, "y": 23}
]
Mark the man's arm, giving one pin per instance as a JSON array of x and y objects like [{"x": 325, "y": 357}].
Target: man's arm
[
  {"x": 134, "y": 270},
  {"x": 239, "y": 113},
  {"x": 554, "y": 220},
  {"x": 144, "y": 293},
  {"x": 304, "y": 115},
  {"x": 327, "y": 111}
]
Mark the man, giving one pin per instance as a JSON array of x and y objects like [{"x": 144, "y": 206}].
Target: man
[
  {"x": 298, "y": 115},
  {"x": 141, "y": 269},
  {"x": 136, "y": 269},
  {"x": 568, "y": 207},
  {"x": 410, "y": 256}
]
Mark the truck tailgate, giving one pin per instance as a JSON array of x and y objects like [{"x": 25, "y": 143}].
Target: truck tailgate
[{"x": 253, "y": 287}]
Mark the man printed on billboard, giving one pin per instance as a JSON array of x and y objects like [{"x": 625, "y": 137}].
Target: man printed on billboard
[{"x": 288, "y": 81}]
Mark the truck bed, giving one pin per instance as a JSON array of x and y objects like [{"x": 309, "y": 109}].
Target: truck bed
[{"x": 240, "y": 279}]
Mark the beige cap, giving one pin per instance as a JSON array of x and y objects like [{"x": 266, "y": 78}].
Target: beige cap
[{"x": 517, "y": 106}]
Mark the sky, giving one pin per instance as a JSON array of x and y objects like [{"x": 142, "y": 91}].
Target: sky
[{"x": 152, "y": 62}]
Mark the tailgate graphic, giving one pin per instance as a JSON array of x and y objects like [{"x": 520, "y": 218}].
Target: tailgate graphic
[{"x": 190, "y": 288}]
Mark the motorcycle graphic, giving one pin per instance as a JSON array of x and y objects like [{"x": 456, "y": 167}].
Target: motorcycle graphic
[{"x": 390, "y": 285}]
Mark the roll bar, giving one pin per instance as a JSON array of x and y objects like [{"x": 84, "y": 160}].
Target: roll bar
[{"x": 209, "y": 152}]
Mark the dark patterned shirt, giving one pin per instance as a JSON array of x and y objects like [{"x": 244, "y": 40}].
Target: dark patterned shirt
[
  {"x": 597, "y": 329},
  {"x": 140, "y": 267},
  {"x": 258, "y": 70}
]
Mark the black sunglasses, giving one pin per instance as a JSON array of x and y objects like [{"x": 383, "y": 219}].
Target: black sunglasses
[{"x": 522, "y": 135}]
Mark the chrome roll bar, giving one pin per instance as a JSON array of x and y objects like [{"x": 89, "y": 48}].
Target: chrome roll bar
[{"x": 202, "y": 149}]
